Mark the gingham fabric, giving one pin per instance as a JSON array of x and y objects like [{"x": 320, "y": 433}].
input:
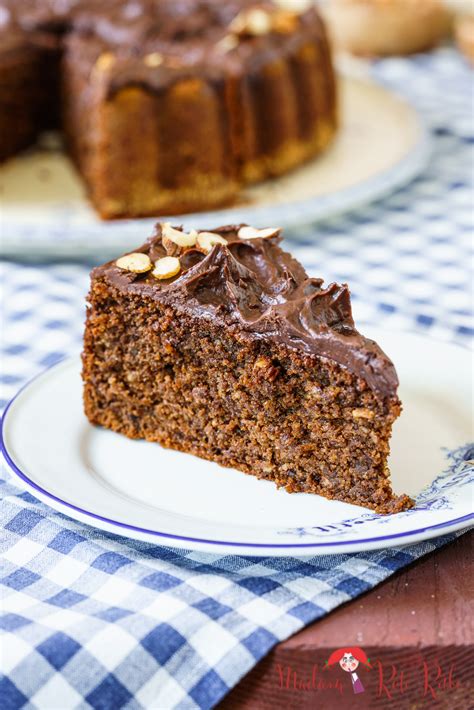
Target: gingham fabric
[{"x": 90, "y": 620}]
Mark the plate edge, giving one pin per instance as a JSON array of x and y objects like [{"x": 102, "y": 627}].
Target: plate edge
[{"x": 330, "y": 546}]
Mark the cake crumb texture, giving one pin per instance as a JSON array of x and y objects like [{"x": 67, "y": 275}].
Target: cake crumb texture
[{"x": 183, "y": 372}]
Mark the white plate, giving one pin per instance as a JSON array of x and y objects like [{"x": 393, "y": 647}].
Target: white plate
[
  {"x": 142, "y": 491},
  {"x": 381, "y": 145}
]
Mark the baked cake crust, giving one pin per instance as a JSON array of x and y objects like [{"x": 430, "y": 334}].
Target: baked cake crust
[
  {"x": 172, "y": 106},
  {"x": 226, "y": 349}
]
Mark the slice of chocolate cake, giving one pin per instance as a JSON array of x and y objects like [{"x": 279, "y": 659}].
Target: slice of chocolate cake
[{"x": 219, "y": 344}]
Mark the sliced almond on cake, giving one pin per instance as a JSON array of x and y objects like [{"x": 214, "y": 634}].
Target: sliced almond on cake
[
  {"x": 254, "y": 21},
  {"x": 207, "y": 240},
  {"x": 154, "y": 59},
  {"x": 166, "y": 268},
  {"x": 137, "y": 263},
  {"x": 253, "y": 233},
  {"x": 174, "y": 241}
]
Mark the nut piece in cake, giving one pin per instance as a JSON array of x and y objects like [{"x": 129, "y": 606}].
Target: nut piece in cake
[
  {"x": 166, "y": 268},
  {"x": 207, "y": 240},
  {"x": 362, "y": 413},
  {"x": 154, "y": 59},
  {"x": 256, "y": 21},
  {"x": 253, "y": 21},
  {"x": 174, "y": 240},
  {"x": 252, "y": 233},
  {"x": 104, "y": 64},
  {"x": 137, "y": 263}
]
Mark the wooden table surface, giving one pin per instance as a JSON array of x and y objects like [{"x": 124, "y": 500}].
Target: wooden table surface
[{"x": 416, "y": 628}]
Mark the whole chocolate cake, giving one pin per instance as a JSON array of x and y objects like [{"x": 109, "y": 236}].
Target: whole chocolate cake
[
  {"x": 220, "y": 345},
  {"x": 167, "y": 105}
]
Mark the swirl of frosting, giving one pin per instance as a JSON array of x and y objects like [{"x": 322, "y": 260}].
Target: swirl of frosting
[{"x": 255, "y": 284}]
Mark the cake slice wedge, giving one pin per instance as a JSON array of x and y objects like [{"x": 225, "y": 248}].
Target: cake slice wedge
[{"x": 218, "y": 344}]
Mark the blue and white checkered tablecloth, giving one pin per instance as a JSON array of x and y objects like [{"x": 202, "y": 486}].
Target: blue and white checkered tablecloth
[{"x": 90, "y": 620}]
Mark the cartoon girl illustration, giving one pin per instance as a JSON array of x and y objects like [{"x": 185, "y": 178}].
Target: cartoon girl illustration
[{"x": 349, "y": 660}]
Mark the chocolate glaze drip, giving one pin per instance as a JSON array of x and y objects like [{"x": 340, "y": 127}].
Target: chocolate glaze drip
[
  {"x": 257, "y": 286},
  {"x": 186, "y": 33}
]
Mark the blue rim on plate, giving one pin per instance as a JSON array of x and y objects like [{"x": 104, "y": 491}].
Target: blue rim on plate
[{"x": 454, "y": 524}]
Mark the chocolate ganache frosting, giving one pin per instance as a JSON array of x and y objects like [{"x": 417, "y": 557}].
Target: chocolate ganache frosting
[
  {"x": 156, "y": 42},
  {"x": 263, "y": 290}
]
